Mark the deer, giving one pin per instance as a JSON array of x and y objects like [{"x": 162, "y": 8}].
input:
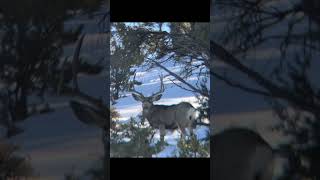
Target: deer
[
  {"x": 242, "y": 154},
  {"x": 166, "y": 117}
]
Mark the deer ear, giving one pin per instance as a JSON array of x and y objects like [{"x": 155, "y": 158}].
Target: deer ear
[
  {"x": 157, "y": 97},
  {"x": 136, "y": 97}
]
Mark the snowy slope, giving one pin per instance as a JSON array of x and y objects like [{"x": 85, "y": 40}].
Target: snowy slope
[{"x": 57, "y": 142}]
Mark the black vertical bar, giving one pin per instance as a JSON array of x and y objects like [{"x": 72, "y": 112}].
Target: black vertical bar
[
  {"x": 211, "y": 115},
  {"x": 107, "y": 128}
]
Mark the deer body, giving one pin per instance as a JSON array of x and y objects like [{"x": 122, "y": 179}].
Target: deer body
[
  {"x": 162, "y": 117},
  {"x": 170, "y": 117},
  {"x": 241, "y": 154}
]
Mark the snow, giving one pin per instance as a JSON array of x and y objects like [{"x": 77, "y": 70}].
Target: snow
[
  {"x": 58, "y": 142},
  {"x": 128, "y": 107},
  {"x": 172, "y": 137}
]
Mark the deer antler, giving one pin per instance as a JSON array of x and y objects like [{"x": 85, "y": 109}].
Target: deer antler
[
  {"x": 157, "y": 93},
  {"x": 133, "y": 89},
  {"x": 161, "y": 87}
]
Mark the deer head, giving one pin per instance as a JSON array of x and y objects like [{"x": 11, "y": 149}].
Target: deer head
[{"x": 147, "y": 102}]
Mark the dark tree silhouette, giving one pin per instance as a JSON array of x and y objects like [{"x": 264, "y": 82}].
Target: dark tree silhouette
[
  {"x": 32, "y": 35},
  {"x": 289, "y": 81}
]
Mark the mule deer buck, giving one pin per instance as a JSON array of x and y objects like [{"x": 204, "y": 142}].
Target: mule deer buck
[
  {"x": 241, "y": 154},
  {"x": 163, "y": 117}
]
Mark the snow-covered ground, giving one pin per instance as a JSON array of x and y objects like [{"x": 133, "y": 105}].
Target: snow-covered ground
[
  {"x": 58, "y": 143},
  {"x": 128, "y": 107}
]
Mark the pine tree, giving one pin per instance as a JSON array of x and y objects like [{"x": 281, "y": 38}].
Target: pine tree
[
  {"x": 132, "y": 139},
  {"x": 192, "y": 147}
]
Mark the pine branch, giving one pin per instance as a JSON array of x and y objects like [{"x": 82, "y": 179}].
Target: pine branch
[{"x": 180, "y": 79}]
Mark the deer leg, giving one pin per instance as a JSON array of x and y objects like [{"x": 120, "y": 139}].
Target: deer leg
[
  {"x": 162, "y": 133},
  {"x": 183, "y": 131},
  {"x": 191, "y": 130},
  {"x": 142, "y": 121}
]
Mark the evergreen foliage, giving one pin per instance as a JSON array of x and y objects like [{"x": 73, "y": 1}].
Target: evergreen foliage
[{"x": 133, "y": 139}]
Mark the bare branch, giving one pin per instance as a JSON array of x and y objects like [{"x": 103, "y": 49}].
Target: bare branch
[
  {"x": 180, "y": 79},
  {"x": 76, "y": 62},
  {"x": 275, "y": 90},
  {"x": 181, "y": 86}
]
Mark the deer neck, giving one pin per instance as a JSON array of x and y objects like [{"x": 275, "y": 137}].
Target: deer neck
[{"x": 148, "y": 111}]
